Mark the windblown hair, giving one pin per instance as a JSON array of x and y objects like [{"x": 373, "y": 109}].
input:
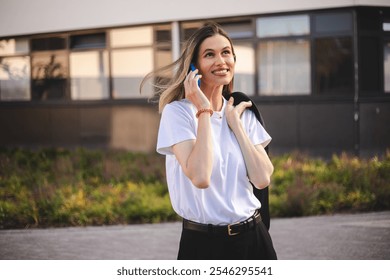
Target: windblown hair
[{"x": 172, "y": 89}]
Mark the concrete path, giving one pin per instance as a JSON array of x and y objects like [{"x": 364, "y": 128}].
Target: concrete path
[{"x": 341, "y": 237}]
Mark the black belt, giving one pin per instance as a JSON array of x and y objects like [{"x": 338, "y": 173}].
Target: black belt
[{"x": 228, "y": 230}]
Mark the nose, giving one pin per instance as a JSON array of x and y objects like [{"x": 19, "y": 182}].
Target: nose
[{"x": 219, "y": 60}]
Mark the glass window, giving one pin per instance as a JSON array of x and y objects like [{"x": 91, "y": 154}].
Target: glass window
[
  {"x": 386, "y": 26},
  {"x": 15, "y": 78},
  {"x": 44, "y": 44},
  {"x": 135, "y": 36},
  {"x": 163, "y": 56},
  {"x": 334, "y": 65},
  {"x": 332, "y": 22},
  {"x": 89, "y": 75},
  {"x": 238, "y": 30},
  {"x": 283, "y": 26},
  {"x": 135, "y": 52},
  {"x": 235, "y": 29},
  {"x": 88, "y": 41},
  {"x": 284, "y": 67},
  {"x": 49, "y": 76},
  {"x": 128, "y": 69},
  {"x": 189, "y": 28},
  {"x": 386, "y": 57},
  {"x": 244, "y": 77},
  {"x": 13, "y": 46},
  {"x": 163, "y": 52},
  {"x": 163, "y": 34}
]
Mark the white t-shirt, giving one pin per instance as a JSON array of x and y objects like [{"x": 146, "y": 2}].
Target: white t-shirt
[{"x": 229, "y": 197}]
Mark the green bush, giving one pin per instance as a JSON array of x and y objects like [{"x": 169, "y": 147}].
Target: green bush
[
  {"x": 57, "y": 187},
  {"x": 306, "y": 186},
  {"x": 60, "y": 187}
]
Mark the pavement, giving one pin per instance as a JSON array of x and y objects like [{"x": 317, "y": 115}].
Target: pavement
[{"x": 364, "y": 236}]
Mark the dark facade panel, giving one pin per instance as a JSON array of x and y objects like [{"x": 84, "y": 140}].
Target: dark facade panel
[
  {"x": 129, "y": 127},
  {"x": 95, "y": 126},
  {"x": 374, "y": 128},
  {"x": 316, "y": 128},
  {"x": 327, "y": 128},
  {"x": 319, "y": 129},
  {"x": 25, "y": 126},
  {"x": 281, "y": 123},
  {"x": 65, "y": 126}
]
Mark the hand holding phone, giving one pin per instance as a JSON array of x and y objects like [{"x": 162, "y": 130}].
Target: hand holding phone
[
  {"x": 193, "y": 68},
  {"x": 193, "y": 92}
]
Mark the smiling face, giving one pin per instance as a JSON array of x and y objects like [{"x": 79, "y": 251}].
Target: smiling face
[{"x": 216, "y": 61}]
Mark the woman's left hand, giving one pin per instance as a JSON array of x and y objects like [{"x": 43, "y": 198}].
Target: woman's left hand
[{"x": 233, "y": 113}]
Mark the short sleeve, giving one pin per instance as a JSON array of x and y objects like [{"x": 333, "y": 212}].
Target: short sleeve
[
  {"x": 256, "y": 132},
  {"x": 176, "y": 125}
]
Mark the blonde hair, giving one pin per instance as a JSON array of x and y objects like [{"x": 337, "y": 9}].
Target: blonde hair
[{"x": 173, "y": 89}]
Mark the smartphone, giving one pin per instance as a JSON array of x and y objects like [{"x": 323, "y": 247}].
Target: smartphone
[{"x": 193, "y": 68}]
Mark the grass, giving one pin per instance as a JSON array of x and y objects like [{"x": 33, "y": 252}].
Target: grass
[{"x": 60, "y": 187}]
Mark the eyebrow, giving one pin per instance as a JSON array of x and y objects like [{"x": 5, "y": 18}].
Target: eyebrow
[{"x": 207, "y": 50}]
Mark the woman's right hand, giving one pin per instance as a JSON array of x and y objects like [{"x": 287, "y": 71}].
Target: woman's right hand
[{"x": 193, "y": 92}]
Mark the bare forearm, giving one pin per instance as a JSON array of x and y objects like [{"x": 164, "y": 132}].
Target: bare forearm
[
  {"x": 258, "y": 165},
  {"x": 200, "y": 161}
]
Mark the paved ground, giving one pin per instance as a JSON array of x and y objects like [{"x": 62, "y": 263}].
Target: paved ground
[{"x": 347, "y": 237}]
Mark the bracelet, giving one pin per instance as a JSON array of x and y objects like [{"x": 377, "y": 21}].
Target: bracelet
[{"x": 203, "y": 111}]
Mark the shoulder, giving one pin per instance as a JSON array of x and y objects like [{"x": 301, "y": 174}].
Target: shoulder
[
  {"x": 182, "y": 105},
  {"x": 181, "y": 110},
  {"x": 248, "y": 116}
]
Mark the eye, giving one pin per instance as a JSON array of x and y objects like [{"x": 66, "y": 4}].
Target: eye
[
  {"x": 226, "y": 52},
  {"x": 209, "y": 54}
]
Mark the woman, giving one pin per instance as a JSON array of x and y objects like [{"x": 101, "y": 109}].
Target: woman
[{"x": 214, "y": 151}]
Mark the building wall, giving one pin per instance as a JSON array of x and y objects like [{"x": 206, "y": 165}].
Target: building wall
[
  {"x": 323, "y": 129},
  {"x": 21, "y": 17},
  {"x": 374, "y": 132},
  {"x": 130, "y": 127},
  {"x": 309, "y": 127},
  {"x": 353, "y": 120}
]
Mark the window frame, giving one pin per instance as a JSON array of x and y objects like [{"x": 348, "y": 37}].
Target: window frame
[
  {"x": 22, "y": 55},
  {"x": 305, "y": 37},
  {"x": 338, "y": 34},
  {"x": 155, "y": 45},
  {"x": 254, "y": 40},
  {"x": 68, "y": 50},
  {"x": 386, "y": 40}
]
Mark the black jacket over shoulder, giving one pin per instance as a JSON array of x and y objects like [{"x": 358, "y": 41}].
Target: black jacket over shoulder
[{"x": 263, "y": 194}]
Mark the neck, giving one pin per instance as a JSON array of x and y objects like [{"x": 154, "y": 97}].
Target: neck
[{"x": 214, "y": 95}]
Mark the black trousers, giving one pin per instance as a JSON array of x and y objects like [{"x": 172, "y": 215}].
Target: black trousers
[{"x": 255, "y": 244}]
